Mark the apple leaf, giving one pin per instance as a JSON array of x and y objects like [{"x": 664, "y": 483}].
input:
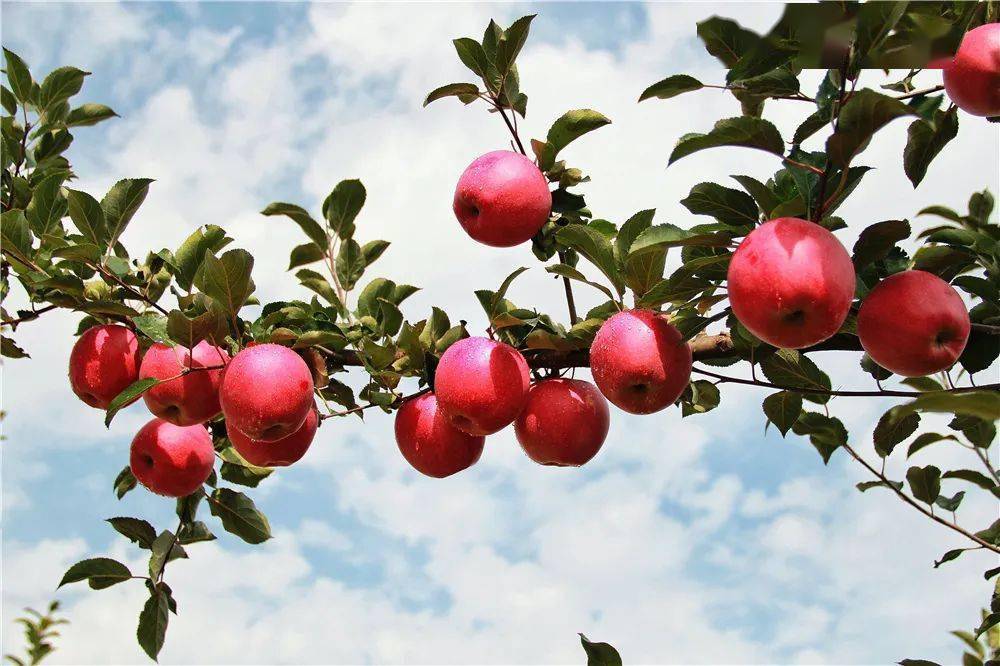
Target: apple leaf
[
  {"x": 99, "y": 572},
  {"x": 783, "y": 409},
  {"x": 925, "y": 483},
  {"x": 925, "y": 140},
  {"x": 745, "y": 131},
  {"x": 600, "y": 654},
  {"x": 239, "y": 515},
  {"x": 671, "y": 87},
  {"x": 153, "y": 620},
  {"x": 129, "y": 395},
  {"x": 301, "y": 217},
  {"x": 467, "y": 93}
]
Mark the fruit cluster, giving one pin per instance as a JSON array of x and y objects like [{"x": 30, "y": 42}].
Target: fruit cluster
[{"x": 265, "y": 394}]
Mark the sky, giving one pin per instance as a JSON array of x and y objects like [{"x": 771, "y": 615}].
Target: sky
[{"x": 702, "y": 540}]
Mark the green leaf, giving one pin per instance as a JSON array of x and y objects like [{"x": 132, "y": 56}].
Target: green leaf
[
  {"x": 892, "y": 429},
  {"x": 826, "y": 433},
  {"x": 304, "y": 254},
  {"x": 988, "y": 622},
  {"x": 923, "y": 384},
  {"x": 876, "y": 240},
  {"x": 925, "y": 440},
  {"x": 319, "y": 284},
  {"x": 950, "y": 503},
  {"x": 9, "y": 349},
  {"x": 226, "y": 279},
  {"x": 573, "y": 274},
  {"x": 868, "y": 485},
  {"x": 925, "y": 140},
  {"x": 86, "y": 115},
  {"x": 350, "y": 264},
  {"x": 983, "y": 404},
  {"x": 874, "y": 24},
  {"x": 783, "y": 409},
  {"x": 864, "y": 114},
  {"x": 595, "y": 247},
  {"x": 189, "y": 330},
  {"x": 60, "y": 84},
  {"x": 120, "y": 204},
  {"x": 47, "y": 206},
  {"x": 663, "y": 236},
  {"x": 471, "y": 53},
  {"x": 789, "y": 368},
  {"x": 671, "y": 87},
  {"x": 18, "y": 76},
  {"x": 745, "y": 131},
  {"x": 510, "y": 44},
  {"x": 129, "y": 395},
  {"x": 88, "y": 216},
  {"x": 949, "y": 556},
  {"x": 153, "y": 620},
  {"x": 630, "y": 230},
  {"x": 726, "y": 40},
  {"x": 189, "y": 256},
  {"x": 301, "y": 217},
  {"x": 979, "y": 432},
  {"x": 572, "y": 125},
  {"x": 465, "y": 92},
  {"x": 8, "y": 100},
  {"x": 99, "y": 572},
  {"x": 342, "y": 206},
  {"x": 925, "y": 483},
  {"x": 124, "y": 482},
  {"x": 971, "y": 476},
  {"x": 237, "y": 470},
  {"x": 728, "y": 206},
  {"x": 239, "y": 515},
  {"x": 136, "y": 530},
  {"x": 705, "y": 397},
  {"x": 194, "y": 532},
  {"x": 15, "y": 236},
  {"x": 372, "y": 250},
  {"x": 600, "y": 654}
]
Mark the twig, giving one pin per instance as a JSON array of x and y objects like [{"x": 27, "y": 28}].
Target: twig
[
  {"x": 918, "y": 93},
  {"x": 361, "y": 408},
  {"x": 802, "y": 165},
  {"x": 138, "y": 296},
  {"x": 34, "y": 314}
]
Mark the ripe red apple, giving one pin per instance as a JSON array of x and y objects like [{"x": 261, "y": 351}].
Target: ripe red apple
[
  {"x": 791, "y": 283},
  {"x": 564, "y": 423},
  {"x": 281, "y": 452},
  {"x": 172, "y": 460},
  {"x": 502, "y": 199},
  {"x": 430, "y": 443},
  {"x": 267, "y": 392},
  {"x": 187, "y": 400},
  {"x": 914, "y": 324},
  {"x": 972, "y": 78},
  {"x": 481, "y": 385},
  {"x": 104, "y": 361},
  {"x": 640, "y": 361}
]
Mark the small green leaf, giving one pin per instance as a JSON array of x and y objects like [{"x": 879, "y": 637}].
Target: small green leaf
[
  {"x": 573, "y": 274},
  {"x": 189, "y": 256},
  {"x": 789, "y": 368},
  {"x": 163, "y": 549},
  {"x": 124, "y": 482},
  {"x": 88, "y": 216},
  {"x": 86, "y": 115},
  {"x": 671, "y": 87},
  {"x": 342, "y": 206},
  {"x": 301, "y": 217},
  {"x": 868, "y": 485},
  {"x": 595, "y": 247},
  {"x": 925, "y": 483},
  {"x": 949, "y": 556},
  {"x": 15, "y": 235},
  {"x": 153, "y": 620},
  {"x": 783, "y": 409},
  {"x": 239, "y": 515},
  {"x": 465, "y": 92},
  {"x": 99, "y": 572},
  {"x": 226, "y": 279},
  {"x": 600, "y": 654},
  {"x": 745, "y": 131},
  {"x": 136, "y": 530},
  {"x": 121, "y": 203},
  {"x": 60, "y": 84},
  {"x": 471, "y": 53},
  {"x": 950, "y": 503},
  {"x": 194, "y": 532},
  {"x": 18, "y": 76},
  {"x": 572, "y": 125},
  {"x": 982, "y": 404},
  {"x": 925, "y": 440},
  {"x": 129, "y": 395},
  {"x": 864, "y": 114},
  {"x": 972, "y": 476},
  {"x": 826, "y": 433},
  {"x": 925, "y": 140},
  {"x": 350, "y": 264},
  {"x": 728, "y": 206},
  {"x": 892, "y": 429}
]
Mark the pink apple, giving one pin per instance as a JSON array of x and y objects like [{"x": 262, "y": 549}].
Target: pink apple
[
  {"x": 972, "y": 78},
  {"x": 564, "y": 423},
  {"x": 791, "y": 283},
  {"x": 172, "y": 460},
  {"x": 104, "y": 361},
  {"x": 430, "y": 443},
  {"x": 281, "y": 452},
  {"x": 481, "y": 385},
  {"x": 502, "y": 199},
  {"x": 640, "y": 361},
  {"x": 187, "y": 400},
  {"x": 914, "y": 324},
  {"x": 267, "y": 392}
]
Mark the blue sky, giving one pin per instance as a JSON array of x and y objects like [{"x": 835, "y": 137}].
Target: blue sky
[{"x": 684, "y": 541}]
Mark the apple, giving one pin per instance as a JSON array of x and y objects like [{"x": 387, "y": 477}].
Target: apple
[
  {"x": 481, "y": 385},
  {"x": 914, "y": 324},
  {"x": 564, "y": 423},
  {"x": 281, "y": 452},
  {"x": 430, "y": 443},
  {"x": 791, "y": 283},
  {"x": 972, "y": 78},
  {"x": 502, "y": 199},
  {"x": 267, "y": 392},
  {"x": 104, "y": 361},
  {"x": 640, "y": 361},
  {"x": 172, "y": 460},
  {"x": 187, "y": 400}
]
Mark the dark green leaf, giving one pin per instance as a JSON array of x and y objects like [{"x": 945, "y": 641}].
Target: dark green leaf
[
  {"x": 982, "y": 404},
  {"x": 892, "y": 429},
  {"x": 153, "y": 620},
  {"x": 925, "y": 482},
  {"x": 726, "y": 40},
  {"x": 972, "y": 476},
  {"x": 60, "y": 84},
  {"x": 826, "y": 433},
  {"x": 864, "y": 114},
  {"x": 868, "y": 485},
  {"x": 948, "y": 557},
  {"x": 728, "y": 206},
  {"x": 124, "y": 482},
  {"x": 301, "y": 217},
  {"x": 671, "y": 87},
  {"x": 89, "y": 114},
  {"x": 950, "y": 503},
  {"x": 600, "y": 654},
  {"x": 342, "y": 206},
  {"x": 120, "y": 204},
  {"x": 15, "y": 236},
  {"x": 194, "y": 532},
  {"x": 227, "y": 279},
  {"x": 466, "y": 92},
  {"x": 99, "y": 572},
  {"x": 88, "y": 216},
  {"x": 136, "y": 530},
  {"x": 789, "y": 368},
  {"x": 877, "y": 239},
  {"x": 47, "y": 206},
  {"x": 595, "y": 247},
  {"x": 783, "y": 409},
  {"x": 744, "y": 131},
  {"x": 18, "y": 76},
  {"x": 572, "y": 125},
  {"x": 925, "y": 140},
  {"x": 350, "y": 263},
  {"x": 129, "y": 395},
  {"x": 925, "y": 440},
  {"x": 304, "y": 254},
  {"x": 471, "y": 53},
  {"x": 188, "y": 258},
  {"x": 239, "y": 515}
]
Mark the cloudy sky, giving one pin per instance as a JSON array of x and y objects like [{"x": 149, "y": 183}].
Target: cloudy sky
[{"x": 701, "y": 540}]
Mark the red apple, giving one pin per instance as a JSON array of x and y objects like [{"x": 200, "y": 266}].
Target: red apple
[
  {"x": 172, "y": 460},
  {"x": 281, "y": 452},
  {"x": 502, "y": 199},
  {"x": 791, "y": 283},
  {"x": 481, "y": 385},
  {"x": 430, "y": 443},
  {"x": 640, "y": 361},
  {"x": 104, "y": 361},
  {"x": 267, "y": 392},
  {"x": 187, "y": 400},
  {"x": 914, "y": 324},
  {"x": 972, "y": 78},
  {"x": 564, "y": 423}
]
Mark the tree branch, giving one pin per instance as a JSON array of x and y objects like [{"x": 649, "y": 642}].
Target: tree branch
[{"x": 918, "y": 93}]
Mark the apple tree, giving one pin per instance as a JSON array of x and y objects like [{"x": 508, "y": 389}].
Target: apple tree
[{"x": 239, "y": 388}]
